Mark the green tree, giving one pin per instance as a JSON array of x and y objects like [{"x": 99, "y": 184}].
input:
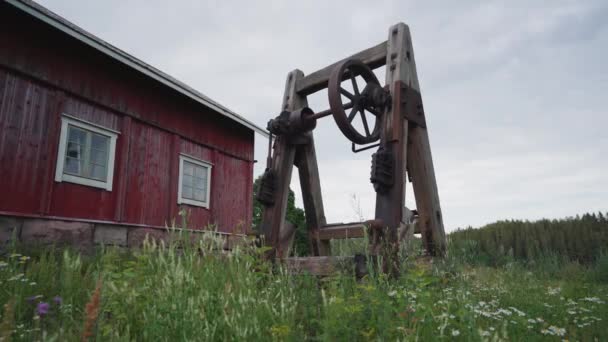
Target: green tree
[{"x": 294, "y": 215}]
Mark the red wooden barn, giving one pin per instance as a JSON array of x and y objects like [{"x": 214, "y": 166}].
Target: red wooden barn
[{"x": 98, "y": 146}]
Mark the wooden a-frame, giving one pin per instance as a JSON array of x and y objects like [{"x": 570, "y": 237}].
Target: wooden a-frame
[{"x": 405, "y": 136}]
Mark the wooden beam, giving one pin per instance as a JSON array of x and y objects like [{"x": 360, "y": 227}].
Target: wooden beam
[
  {"x": 310, "y": 184},
  {"x": 374, "y": 57},
  {"x": 390, "y": 204},
  {"x": 420, "y": 165},
  {"x": 273, "y": 217},
  {"x": 327, "y": 265},
  {"x": 347, "y": 230}
]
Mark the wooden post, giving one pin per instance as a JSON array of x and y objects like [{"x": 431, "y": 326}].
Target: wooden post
[
  {"x": 310, "y": 184},
  {"x": 390, "y": 204},
  {"x": 273, "y": 218},
  {"x": 420, "y": 163}
]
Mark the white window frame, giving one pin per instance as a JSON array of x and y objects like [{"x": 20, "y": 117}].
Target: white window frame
[
  {"x": 198, "y": 162},
  {"x": 68, "y": 120}
]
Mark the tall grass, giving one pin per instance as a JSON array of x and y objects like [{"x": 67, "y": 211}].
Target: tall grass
[{"x": 191, "y": 292}]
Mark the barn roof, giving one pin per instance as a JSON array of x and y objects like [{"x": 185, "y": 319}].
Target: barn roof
[{"x": 117, "y": 54}]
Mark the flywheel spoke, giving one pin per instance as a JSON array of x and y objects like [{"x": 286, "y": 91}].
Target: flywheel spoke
[
  {"x": 365, "y": 126},
  {"x": 347, "y": 93}
]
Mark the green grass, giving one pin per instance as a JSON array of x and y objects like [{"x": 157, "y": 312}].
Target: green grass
[{"x": 170, "y": 293}]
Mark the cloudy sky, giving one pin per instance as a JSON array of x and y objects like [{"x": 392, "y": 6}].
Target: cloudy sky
[{"x": 515, "y": 92}]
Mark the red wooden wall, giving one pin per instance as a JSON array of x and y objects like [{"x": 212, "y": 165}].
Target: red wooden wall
[{"x": 44, "y": 73}]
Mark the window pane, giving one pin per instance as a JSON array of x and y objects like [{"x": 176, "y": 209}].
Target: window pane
[
  {"x": 73, "y": 166},
  {"x": 188, "y": 168},
  {"x": 200, "y": 171},
  {"x": 77, "y": 135},
  {"x": 99, "y": 157},
  {"x": 199, "y": 183},
  {"x": 186, "y": 192},
  {"x": 74, "y": 150},
  {"x": 187, "y": 180},
  {"x": 99, "y": 142},
  {"x": 199, "y": 195},
  {"x": 98, "y": 172}
]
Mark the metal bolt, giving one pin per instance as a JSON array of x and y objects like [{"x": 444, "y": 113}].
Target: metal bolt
[
  {"x": 395, "y": 31},
  {"x": 393, "y": 55},
  {"x": 393, "y": 66}
]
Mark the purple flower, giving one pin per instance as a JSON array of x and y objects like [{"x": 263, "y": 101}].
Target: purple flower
[
  {"x": 42, "y": 308},
  {"x": 57, "y": 300}
]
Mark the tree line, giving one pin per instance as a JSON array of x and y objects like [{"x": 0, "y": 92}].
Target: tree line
[{"x": 581, "y": 238}]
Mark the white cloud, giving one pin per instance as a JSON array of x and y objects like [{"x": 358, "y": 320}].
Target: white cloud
[{"x": 514, "y": 91}]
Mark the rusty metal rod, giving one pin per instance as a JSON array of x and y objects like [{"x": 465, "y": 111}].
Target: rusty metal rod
[{"x": 327, "y": 112}]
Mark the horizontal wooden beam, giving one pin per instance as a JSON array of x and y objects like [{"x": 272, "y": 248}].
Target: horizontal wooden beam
[
  {"x": 327, "y": 265},
  {"x": 347, "y": 230},
  {"x": 374, "y": 57}
]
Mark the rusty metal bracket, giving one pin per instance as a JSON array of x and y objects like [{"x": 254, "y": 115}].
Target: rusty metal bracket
[{"x": 413, "y": 110}]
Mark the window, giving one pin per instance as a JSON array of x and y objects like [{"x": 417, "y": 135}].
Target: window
[
  {"x": 194, "y": 181},
  {"x": 86, "y": 153}
]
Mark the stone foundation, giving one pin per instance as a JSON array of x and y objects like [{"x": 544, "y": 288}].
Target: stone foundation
[{"x": 85, "y": 235}]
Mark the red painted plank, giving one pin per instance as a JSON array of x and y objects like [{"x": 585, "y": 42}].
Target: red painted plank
[
  {"x": 156, "y": 124},
  {"x": 23, "y": 129}
]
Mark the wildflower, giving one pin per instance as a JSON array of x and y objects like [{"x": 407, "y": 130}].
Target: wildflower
[
  {"x": 553, "y": 291},
  {"x": 531, "y": 320},
  {"x": 92, "y": 309},
  {"x": 484, "y": 333},
  {"x": 3, "y": 264},
  {"x": 593, "y": 300},
  {"x": 455, "y": 332},
  {"x": 42, "y": 308},
  {"x": 392, "y": 293},
  {"x": 519, "y": 312},
  {"x": 557, "y": 331},
  {"x": 57, "y": 300}
]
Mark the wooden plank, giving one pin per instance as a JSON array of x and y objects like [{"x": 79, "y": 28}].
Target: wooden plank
[
  {"x": 327, "y": 265},
  {"x": 282, "y": 165},
  {"x": 54, "y": 130},
  {"x": 174, "y": 180},
  {"x": 286, "y": 237},
  {"x": 374, "y": 57},
  {"x": 345, "y": 231},
  {"x": 389, "y": 205},
  {"x": 310, "y": 184},
  {"x": 123, "y": 166},
  {"x": 420, "y": 165}
]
